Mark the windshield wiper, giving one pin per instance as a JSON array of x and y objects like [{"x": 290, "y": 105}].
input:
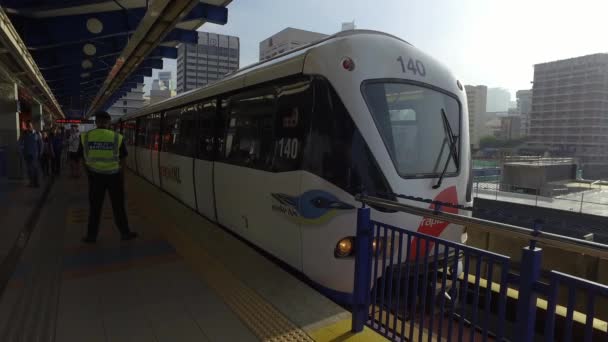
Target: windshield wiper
[{"x": 452, "y": 141}]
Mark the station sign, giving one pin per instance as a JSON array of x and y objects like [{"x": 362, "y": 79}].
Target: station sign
[{"x": 73, "y": 121}]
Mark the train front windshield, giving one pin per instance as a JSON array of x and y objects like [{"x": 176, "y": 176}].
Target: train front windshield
[{"x": 420, "y": 127}]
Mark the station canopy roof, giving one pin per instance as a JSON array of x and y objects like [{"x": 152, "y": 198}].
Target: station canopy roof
[{"x": 92, "y": 52}]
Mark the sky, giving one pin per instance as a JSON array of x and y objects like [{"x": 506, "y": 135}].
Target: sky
[{"x": 489, "y": 42}]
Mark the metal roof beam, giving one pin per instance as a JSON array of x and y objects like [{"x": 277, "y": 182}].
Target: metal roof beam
[
  {"x": 210, "y": 13},
  {"x": 160, "y": 20},
  {"x": 64, "y": 58},
  {"x": 20, "y": 66},
  {"x": 39, "y": 33},
  {"x": 181, "y": 36}
]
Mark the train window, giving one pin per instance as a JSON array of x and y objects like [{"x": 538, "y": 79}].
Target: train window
[
  {"x": 410, "y": 120},
  {"x": 336, "y": 150},
  {"x": 249, "y": 138},
  {"x": 142, "y": 123},
  {"x": 294, "y": 104},
  {"x": 206, "y": 130},
  {"x": 129, "y": 132},
  {"x": 178, "y": 131},
  {"x": 148, "y": 132}
]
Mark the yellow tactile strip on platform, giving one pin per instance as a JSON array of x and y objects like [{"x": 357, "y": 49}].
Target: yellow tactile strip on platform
[
  {"x": 264, "y": 320},
  {"x": 340, "y": 331}
]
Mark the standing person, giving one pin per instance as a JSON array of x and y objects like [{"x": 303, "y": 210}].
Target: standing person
[
  {"x": 47, "y": 154},
  {"x": 73, "y": 143},
  {"x": 57, "y": 143},
  {"x": 104, "y": 155},
  {"x": 31, "y": 145}
]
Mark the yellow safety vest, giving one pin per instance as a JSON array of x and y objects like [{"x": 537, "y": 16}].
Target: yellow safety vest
[{"x": 101, "y": 149}]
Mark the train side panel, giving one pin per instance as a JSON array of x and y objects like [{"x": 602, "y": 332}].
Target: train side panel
[
  {"x": 176, "y": 175},
  {"x": 248, "y": 203},
  {"x": 144, "y": 162},
  {"x": 203, "y": 185}
]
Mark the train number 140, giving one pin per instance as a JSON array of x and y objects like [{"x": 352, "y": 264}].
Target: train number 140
[
  {"x": 414, "y": 66},
  {"x": 288, "y": 148}
]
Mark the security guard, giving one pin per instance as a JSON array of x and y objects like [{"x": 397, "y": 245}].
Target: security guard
[{"x": 104, "y": 152}]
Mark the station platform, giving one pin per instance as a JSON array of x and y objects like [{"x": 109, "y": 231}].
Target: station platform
[{"x": 182, "y": 279}]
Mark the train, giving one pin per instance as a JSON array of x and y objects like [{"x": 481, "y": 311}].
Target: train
[{"x": 277, "y": 151}]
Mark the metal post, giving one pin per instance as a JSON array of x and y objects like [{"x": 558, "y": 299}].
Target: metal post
[
  {"x": 363, "y": 265},
  {"x": 526, "y": 304},
  {"x": 582, "y": 199}
]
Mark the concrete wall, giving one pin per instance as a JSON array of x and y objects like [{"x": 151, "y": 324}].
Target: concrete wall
[
  {"x": 536, "y": 176},
  {"x": 530, "y": 177},
  {"x": 576, "y": 264},
  {"x": 561, "y": 222}
]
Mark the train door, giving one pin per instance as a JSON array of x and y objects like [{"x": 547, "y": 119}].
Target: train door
[
  {"x": 254, "y": 198},
  {"x": 142, "y": 149},
  {"x": 206, "y": 140},
  {"x": 128, "y": 129},
  {"x": 176, "y": 154},
  {"x": 155, "y": 143}
]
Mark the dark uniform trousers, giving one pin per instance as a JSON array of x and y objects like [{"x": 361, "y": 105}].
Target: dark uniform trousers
[{"x": 114, "y": 184}]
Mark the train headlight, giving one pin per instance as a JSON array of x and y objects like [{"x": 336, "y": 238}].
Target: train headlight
[
  {"x": 378, "y": 246},
  {"x": 345, "y": 247}
]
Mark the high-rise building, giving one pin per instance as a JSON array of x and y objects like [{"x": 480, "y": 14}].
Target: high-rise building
[
  {"x": 476, "y": 100},
  {"x": 164, "y": 78},
  {"x": 348, "y": 26},
  {"x": 570, "y": 109},
  {"x": 524, "y": 107},
  {"x": 499, "y": 100},
  {"x": 211, "y": 59},
  {"x": 287, "y": 39},
  {"x": 510, "y": 127},
  {"x": 129, "y": 103},
  {"x": 160, "y": 89}
]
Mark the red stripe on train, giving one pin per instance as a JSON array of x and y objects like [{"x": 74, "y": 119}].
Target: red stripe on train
[{"x": 434, "y": 227}]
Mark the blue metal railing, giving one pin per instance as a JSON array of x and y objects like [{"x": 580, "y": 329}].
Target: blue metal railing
[{"x": 412, "y": 286}]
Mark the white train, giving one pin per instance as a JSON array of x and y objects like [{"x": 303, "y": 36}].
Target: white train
[{"x": 275, "y": 152}]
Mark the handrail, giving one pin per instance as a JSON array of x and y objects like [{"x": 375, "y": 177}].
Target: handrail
[{"x": 554, "y": 240}]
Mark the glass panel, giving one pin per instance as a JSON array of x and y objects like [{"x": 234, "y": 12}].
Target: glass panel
[
  {"x": 410, "y": 121},
  {"x": 249, "y": 138}
]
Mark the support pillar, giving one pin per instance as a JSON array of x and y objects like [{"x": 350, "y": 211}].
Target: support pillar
[
  {"x": 37, "y": 116},
  {"x": 10, "y": 131}
]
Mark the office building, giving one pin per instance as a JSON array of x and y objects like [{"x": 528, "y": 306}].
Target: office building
[
  {"x": 476, "y": 101},
  {"x": 524, "y": 107},
  {"x": 348, "y": 26},
  {"x": 569, "y": 115},
  {"x": 288, "y": 39},
  {"x": 164, "y": 78},
  {"x": 160, "y": 89},
  {"x": 510, "y": 127},
  {"x": 498, "y": 100},
  {"x": 211, "y": 59},
  {"x": 129, "y": 103}
]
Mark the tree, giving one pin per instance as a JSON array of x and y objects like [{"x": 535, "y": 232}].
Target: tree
[{"x": 489, "y": 141}]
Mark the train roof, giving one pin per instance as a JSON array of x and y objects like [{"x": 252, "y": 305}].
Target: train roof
[{"x": 285, "y": 64}]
